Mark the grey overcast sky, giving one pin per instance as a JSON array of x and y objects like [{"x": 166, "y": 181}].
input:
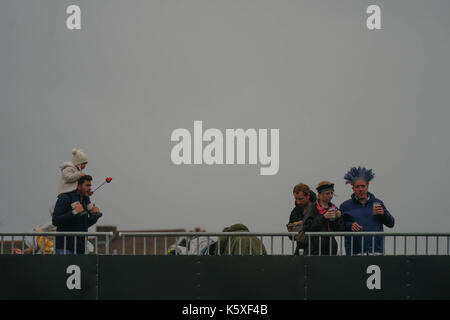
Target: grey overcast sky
[{"x": 340, "y": 94}]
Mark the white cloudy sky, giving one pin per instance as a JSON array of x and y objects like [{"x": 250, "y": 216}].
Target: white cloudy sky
[{"x": 340, "y": 95}]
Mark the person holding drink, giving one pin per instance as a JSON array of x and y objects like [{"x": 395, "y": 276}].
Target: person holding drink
[
  {"x": 364, "y": 212},
  {"x": 304, "y": 197},
  {"x": 323, "y": 216}
]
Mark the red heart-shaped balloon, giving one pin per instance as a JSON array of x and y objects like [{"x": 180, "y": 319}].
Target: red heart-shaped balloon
[{"x": 108, "y": 179}]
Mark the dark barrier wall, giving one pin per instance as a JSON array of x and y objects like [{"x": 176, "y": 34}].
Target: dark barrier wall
[
  {"x": 48, "y": 277},
  {"x": 254, "y": 278},
  {"x": 206, "y": 277}
]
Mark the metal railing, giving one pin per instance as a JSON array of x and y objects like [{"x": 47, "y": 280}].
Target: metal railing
[
  {"x": 231, "y": 243},
  {"x": 45, "y": 242},
  {"x": 192, "y": 242},
  {"x": 345, "y": 243},
  {"x": 382, "y": 243}
]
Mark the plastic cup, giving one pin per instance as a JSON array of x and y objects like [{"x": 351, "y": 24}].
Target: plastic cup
[
  {"x": 333, "y": 210},
  {"x": 375, "y": 205}
]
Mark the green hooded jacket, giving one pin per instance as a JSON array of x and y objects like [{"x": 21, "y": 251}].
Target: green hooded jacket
[{"x": 248, "y": 245}]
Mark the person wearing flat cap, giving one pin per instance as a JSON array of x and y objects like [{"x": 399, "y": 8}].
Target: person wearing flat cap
[
  {"x": 323, "y": 216},
  {"x": 363, "y": 212}
]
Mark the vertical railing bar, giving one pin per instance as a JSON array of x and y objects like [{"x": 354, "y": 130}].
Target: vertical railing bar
[
  {"x": 85, "y": 245},
  {"x": 320, "y": 246},
  {"x": 2, "y": 245},
  {"x": 23, "y": 244},
  {"x": 96, "y": 245},
  {"x": 351, "y": 245},
  {"x": 250, "y": 245},
  {"x": 271, "y": 245},
  {"x": 282, "y": 245},
  {"x": 65, "y": 245},
  {"x": 218, "y": 245},
  {"x": 43, "y": 244},
  {"x": 123, "y": 245},
  {"x": 229, "y": 245},
  {"x": 448, "y": 247},
  {"x": 207, "y": 243},
  {"x": 54, "y": 245},
  {"x": 426, "y": 243},
  {"x": 395, "y": 245},
  {"x": 145, "y": 246},
  {"x": 154, "y": 244},
  {"x": 437, "y": 245},
  {"x": 261, "y": 246},
  {"x": 406, "y": 245},
  {"x": 165, "y": 245},
  {"x": 341, "y": 241},
  {"x": 373, "y": 244},
  {"x": 75, "y": 251},
  {"x": 309, "y": 245},
  {"x": 134, "y": 245},
  {"x": 240, "y": 245},
  {"x": 415, "y": 245},
  {"x": 188, "y": 244},
  {"x": 362, "y": 245},
  {"x": 176, "y": 245},
  {"x": 292, "y": 242},
  {"x": 331, "y": 247},
  {"x": 198, "y": 245},
  {"x": 107, "y": 245},
  {"x": 12, "y": 244}
]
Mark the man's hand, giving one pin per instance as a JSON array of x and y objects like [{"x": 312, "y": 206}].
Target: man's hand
[
  {"x": 356, "y": 227},
  {"x": 295, "y": 226},
  {"x": 95, "y": 209},
  {"x": 378, "y": 210},
  {"x": 78, "y": 207}
]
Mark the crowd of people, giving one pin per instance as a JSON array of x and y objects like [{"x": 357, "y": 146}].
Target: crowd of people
[
  {"x": 74, "y": 212},
  {"x": 363, "y": 212}
]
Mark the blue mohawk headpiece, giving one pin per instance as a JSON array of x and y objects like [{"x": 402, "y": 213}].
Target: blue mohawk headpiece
[{"x": 358, "y": 173}]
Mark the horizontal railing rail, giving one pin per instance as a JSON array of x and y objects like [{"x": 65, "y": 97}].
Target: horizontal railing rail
[{"x": 231, "y": 243}]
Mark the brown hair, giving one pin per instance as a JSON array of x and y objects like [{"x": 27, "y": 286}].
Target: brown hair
[{"x": 301, "y": 187}]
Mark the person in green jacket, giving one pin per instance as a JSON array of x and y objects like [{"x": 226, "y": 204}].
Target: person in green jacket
[{"x": 239, "y": 245}]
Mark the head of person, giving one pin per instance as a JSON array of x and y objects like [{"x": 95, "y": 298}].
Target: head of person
[
  {"x": 79, "y": 158},
  {"x": 359, "y": 178},
  {"x": 325, "y": 191},
  {"x": 84, "y": 185},
  {"x": 302, "y": 194}
]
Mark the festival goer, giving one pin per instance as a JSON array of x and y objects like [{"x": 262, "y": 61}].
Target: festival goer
[
  {"x": 73, "y": 213},
  {"x": 364, "y": 212},
  {"x": 323, "y": 216},
  {"x": 72, "y": 171},
  {"x": 303, "y": 197}
]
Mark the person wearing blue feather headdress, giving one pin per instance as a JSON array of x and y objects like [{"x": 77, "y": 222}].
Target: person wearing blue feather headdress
[{"x": 363, "y": 212}]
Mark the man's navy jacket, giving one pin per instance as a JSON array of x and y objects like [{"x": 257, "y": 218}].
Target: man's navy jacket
[
  {"x": 363, "y": 214},
  {"x": 66, "y": 221}
]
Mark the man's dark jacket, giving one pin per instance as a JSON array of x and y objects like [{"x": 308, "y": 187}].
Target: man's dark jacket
[
  {"x": 66, "y": 221},
  {"x": 297, "y": 213},
  {"x": 354, "y": 211}
]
